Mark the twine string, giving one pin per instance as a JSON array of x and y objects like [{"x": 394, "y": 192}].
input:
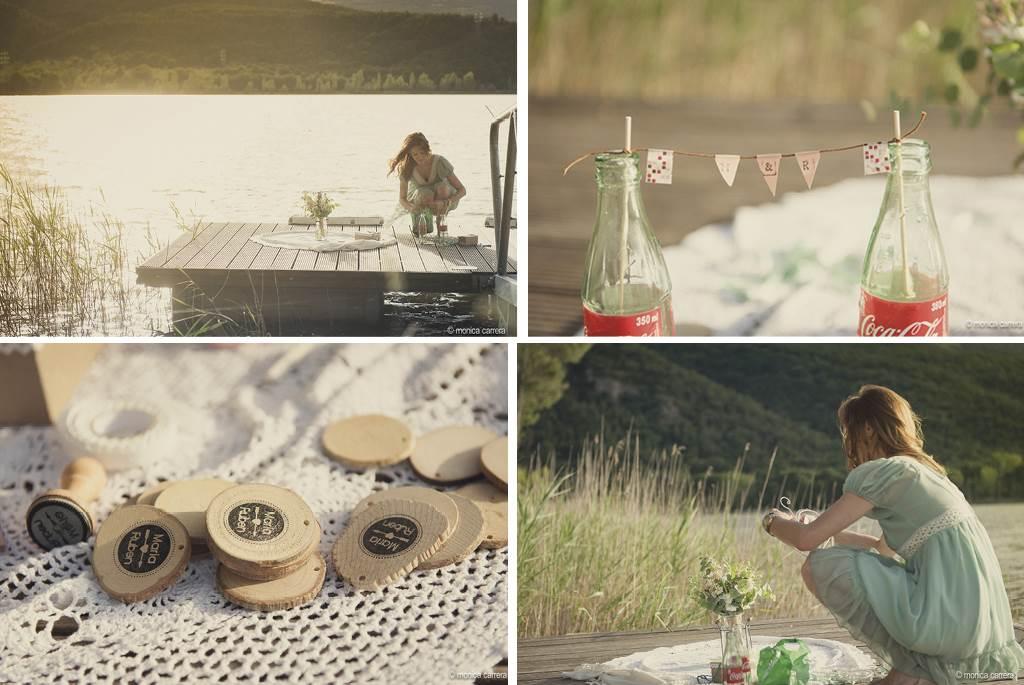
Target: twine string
[{"x": 712, "y": 155}]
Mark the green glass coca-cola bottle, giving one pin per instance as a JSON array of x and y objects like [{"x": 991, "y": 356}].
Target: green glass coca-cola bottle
[{"x": 626, "y": 287}]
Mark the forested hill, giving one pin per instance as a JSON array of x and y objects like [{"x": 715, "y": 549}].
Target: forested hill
[
  {"x": 70, "y": 45},
  {"x": 713, "y": 399}
]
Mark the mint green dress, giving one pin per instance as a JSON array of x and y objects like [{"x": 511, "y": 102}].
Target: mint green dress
[
  {"x": 945, "y": 613},
  {"x": 440, "y": 170}
]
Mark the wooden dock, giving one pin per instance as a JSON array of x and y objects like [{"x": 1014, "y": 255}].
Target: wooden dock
[
  {"x": 543, "y": 660},
  {"x": 218, "y": 270},
  {"x": 563, "y": 208}
]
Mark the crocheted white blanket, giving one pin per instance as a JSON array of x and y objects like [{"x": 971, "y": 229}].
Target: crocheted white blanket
[
  {"x": 792, "y": 266},
  {"x": 307, "y": 240},
  {"x": 244, "y": 426},
  {"x": 830, "y": 661}
]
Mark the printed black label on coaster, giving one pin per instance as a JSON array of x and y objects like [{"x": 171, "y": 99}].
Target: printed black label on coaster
[
  {"x": 55, "y": 524},
  {"x": 389, "y": 536},
  {"x": 144, "y": 548},
  {"x": 256, "y": 521}
]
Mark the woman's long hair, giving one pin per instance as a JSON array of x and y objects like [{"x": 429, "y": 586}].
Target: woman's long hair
[
  {"x": 877, "y": 422},
  {"x": 403, "y": 161}
]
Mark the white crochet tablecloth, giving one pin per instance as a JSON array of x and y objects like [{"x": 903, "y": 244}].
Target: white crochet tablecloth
[
  {"x": 830, "y": 662},
  {"x": 243, "y": 426},
  {"x": 792, "y": 266}
]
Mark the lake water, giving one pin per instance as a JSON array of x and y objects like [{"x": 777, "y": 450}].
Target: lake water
[
  {"x": 1005, "y": 526},
  {"x": 249, "y": 158}
]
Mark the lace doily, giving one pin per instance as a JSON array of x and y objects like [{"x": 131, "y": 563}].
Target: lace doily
[{"x": 245, "y": 426}]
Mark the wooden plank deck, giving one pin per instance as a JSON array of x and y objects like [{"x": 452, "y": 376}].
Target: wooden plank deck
[
  {"x": 543, "y": 660},
  {"x": 216, "y": 273},
  {"x": 562, "y": 208},
  {"x": 222, "y": 254}
]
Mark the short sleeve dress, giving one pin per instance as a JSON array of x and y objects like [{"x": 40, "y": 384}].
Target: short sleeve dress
[
  {"x": 942, "y": 616},
  {"x": 440, "y": 170}
]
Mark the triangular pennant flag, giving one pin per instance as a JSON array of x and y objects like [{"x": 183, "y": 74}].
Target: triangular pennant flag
[
  {"x": 876, "y": 158},
  {"x": 727, "y": 165},
  {"x": 659, "y": 166},
  {"x": 769, "y": 166},
  {"x": 808, "y": 163}
]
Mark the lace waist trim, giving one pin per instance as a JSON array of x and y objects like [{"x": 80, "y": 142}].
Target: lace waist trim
[{"x": 946, "y": 519}]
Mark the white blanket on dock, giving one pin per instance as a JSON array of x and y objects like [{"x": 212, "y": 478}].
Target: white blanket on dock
[
  {"x": 681, "y": 664},
  {"x": 307, "y": 240},
  {"x": 792, "y": 267}
]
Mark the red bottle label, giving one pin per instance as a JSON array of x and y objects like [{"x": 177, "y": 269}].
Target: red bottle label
[
  {"x": 733, "y": 675},
  {"x": 647, "y": 324},
  {"x": 886, "y": 318},
  {"x": 746, "y": 665}
]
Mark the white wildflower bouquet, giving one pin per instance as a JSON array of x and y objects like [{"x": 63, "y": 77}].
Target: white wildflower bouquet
[
  {"x": 319, "y": 207},
  {"x": 727, "y": 588}
]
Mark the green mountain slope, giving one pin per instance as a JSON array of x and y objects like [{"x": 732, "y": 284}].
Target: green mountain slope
[{"x": 712, "y": 399}]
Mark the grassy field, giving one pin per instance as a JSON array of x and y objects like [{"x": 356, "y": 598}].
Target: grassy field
[
  {"x": 841, "y": 50},
  {"x": 611, "y": 546}
]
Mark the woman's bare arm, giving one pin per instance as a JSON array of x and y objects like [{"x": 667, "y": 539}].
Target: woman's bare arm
[
  {"x": 403, "y": 190},
  {"x": 460, "y": 190},
  {"x": 834, "y": 520}
]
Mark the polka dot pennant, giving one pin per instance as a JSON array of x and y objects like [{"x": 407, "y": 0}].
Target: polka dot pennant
[
  {"x": 659, "y": 166},
  {"x": 876, "y": 158}
]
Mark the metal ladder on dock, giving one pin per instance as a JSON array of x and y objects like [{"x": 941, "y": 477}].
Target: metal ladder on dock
[{"x": 503, "y": 185}]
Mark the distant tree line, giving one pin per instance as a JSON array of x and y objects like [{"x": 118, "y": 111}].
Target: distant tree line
[
  {"x": 248, "y": 46},
  {"x": 49, "y": 77}
]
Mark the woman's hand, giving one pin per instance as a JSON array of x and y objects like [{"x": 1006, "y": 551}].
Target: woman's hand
[
  {"x": 835, "y": 519},
  {"x": 777, "y": 515}
]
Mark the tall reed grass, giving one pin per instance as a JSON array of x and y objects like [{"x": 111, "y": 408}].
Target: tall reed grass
[
  {"x": 58, "y": 275},
  {"x": 610, "y": 545}
]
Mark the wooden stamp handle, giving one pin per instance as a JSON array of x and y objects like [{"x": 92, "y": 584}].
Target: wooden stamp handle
[{"x": 83, "y": 480}]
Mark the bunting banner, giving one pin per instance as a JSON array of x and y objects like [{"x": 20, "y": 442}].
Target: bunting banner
[
  {"x": 769, "y": 166},
  {"x": 875, "y": 157},
  {"x": 659, "y": 166},
  {"x": 808, "y": 163},
  {"x": 727, "y": 165}
]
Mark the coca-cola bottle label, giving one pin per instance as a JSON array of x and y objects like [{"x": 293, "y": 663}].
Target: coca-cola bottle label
[
  {"x": 734, "y": 675},
  {"x": 888, "y": 318},
  {"x": 646, "y": 324}
]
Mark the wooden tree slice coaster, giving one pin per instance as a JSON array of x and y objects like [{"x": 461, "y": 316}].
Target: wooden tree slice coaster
[
  {"x": 494, "y": 461},
  {"x": 494, "y": 503},
  {"x": 387, "y": 541},
  {"x": 484, "y": 494},
  {"x": 415, "y": 493},
  {"x": 54, "y": 521},
  {"x": 140, "y": 551},
  {"x": 287, "y": 592},
  {"x": 362, "y": 442},
  {"x": 450, "y": 455},
  {"x": 261, "y": 531},
  {"x": 495, "y": 528},
  {"x": 467, "y": 537},
  {"x": 149, "y": 496},
  {"x": 188, "y": 500}
]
